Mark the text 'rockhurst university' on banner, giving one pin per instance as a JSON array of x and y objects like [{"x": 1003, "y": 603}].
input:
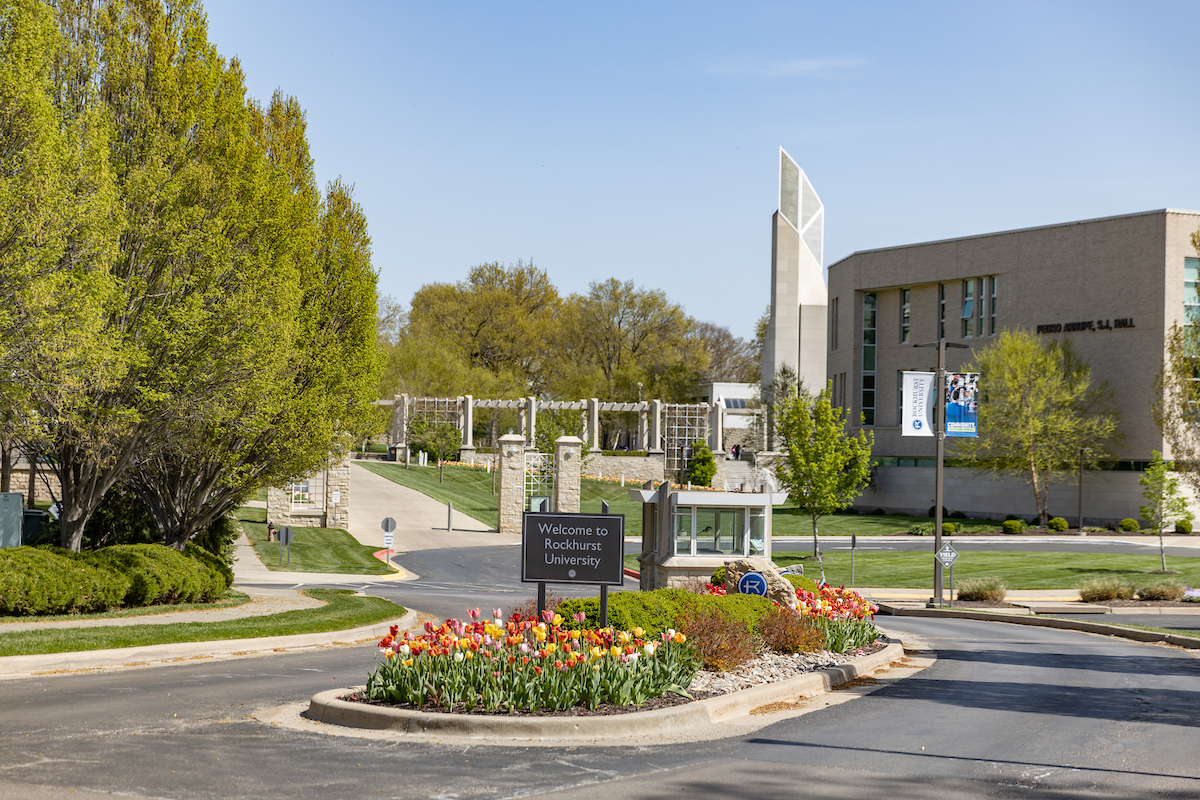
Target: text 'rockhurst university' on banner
[
  {"x": 962, "y": 404},
  {"x": 917, "y": 415},
  {"x": 573, "y": 548}
]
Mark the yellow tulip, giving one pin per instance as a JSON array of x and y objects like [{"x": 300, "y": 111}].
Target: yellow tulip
[
  {"x": 407, "y": 662},
  {"x": 550, "y": 648},
  {"x": 623, "y": 637},
  {"x": 680, "y": 638},
  {"x": 614, "y": 650},
  {"x": 638, "y": 633},
  {"x": 558, "y": 620}
]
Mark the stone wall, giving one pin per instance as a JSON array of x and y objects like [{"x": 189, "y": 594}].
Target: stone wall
[
  {"x": 512, "y": 482},
  {"x": 336, "y": 479},
  {"x": 45, "y": 488},
  {"x": 635, "y": 469}
]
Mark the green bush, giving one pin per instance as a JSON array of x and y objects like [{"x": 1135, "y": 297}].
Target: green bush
[
  {"x": 50, "y": 580},
  {"x": 215, "y": 563},
  {"x": 1013, "y": 525},
  {"x": 949, "y": 527},
  {"x": 1162, "y": 590},
  {"x": 703, "y": 467},
  {"x": 1057, "y": 524},
  {"x": 991, "y": 590},
  {"x": 1183, "y": 526},
  {"x": 801, "y": 582},
  {"x": 1101, "y": 589},
  {"x": 921, "y": 528},
  {"x": 718, "y": 577},
  {"x": 933, "y": 512},
  {"x": 660, "y": 609},
  {"x": 218, "y": 539},
  {"x": 159, "y": 574},
  {"x": 1128, "y": 524},
  {"x": 957, "y": 515}
]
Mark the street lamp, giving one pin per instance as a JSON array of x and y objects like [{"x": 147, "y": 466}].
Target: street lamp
[
  {"x": 639, "y": 391},
  {"x": 1082, "y": 450}
]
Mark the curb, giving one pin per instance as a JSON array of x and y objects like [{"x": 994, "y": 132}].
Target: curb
[
  {"x": 326, "y": 707},
  {"x": 1189, "y": 642},
  {"x": 75, "y": 661}
]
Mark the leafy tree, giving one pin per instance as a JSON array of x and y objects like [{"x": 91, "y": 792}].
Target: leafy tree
[
  {"x": 730, "y": 359},
  {"x": 823, "y": 467},
  {"x": 1177, "y": 393},
  {"x": 442, "y": 439},
  {"x": 703, "y": 466},
  {"x": 1040, "y": 407},
  {"x": 1165, "y": 503}
]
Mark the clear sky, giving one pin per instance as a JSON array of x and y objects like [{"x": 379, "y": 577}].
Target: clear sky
[{"x": 640, "y": 139}]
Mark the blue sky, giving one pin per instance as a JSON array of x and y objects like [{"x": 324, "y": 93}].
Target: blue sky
[{"x": 640, "y": 140}]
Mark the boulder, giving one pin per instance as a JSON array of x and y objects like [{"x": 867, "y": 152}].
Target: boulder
[{"x": 779, "y": 589}]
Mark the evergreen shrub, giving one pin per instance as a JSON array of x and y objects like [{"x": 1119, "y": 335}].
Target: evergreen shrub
[
  {"x": 50, "y": 580},
  {"x": 1013, "y": 525},
  {"x": 1057, "y": 524},
  {"x": 1183, "y": 526},
  {"x": 1130, "y": 525}
]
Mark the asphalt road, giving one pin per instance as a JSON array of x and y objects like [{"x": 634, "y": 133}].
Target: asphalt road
[
  {"x": 898, "y": 544},
  {"x": 1004, "y": 712}
]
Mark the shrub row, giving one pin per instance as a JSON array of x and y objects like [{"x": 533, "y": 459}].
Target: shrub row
[
  {"x": 51, "y": 580},
  {"x": 1116, "y": 589}
]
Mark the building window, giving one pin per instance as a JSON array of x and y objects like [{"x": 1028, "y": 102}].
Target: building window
[
  {"x": 868, "y": 363},
  {"x": 992, "y": 307},
  {"x": 941, "y": 311},
  {"x": 968, "y": 307},
  {"x": 905, "y": 313},
  {"x": 1191, "y": 299},
  {"x": 833, "y": 324}
]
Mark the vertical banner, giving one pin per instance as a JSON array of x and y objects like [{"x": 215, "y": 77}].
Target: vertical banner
[
  {"x": 917, "y": 399},
  {"x": 962, "y": 404}
]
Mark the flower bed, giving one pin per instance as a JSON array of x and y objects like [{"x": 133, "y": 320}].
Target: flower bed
[{"x": 527, "y": 665}]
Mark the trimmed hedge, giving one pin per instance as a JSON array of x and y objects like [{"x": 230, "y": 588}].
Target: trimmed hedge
[
  {"x": 1058, "y": 525},
  {"x": 1129, "y": 525},
  {"x": 51, "y": 580},
  {"x": 658, "y": 610},
  {"x": 801, "y": 582},
  {"x": 1013, "y": 525}
]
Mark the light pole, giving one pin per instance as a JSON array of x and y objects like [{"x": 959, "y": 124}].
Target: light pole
[
  {"x": 639, "y": 391},
  {"x": 1082, "y": 450},
  {"x": 940, "y": 427}
]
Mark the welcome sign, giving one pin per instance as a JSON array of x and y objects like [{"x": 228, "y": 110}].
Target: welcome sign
[{"x": 573, "y": 548}]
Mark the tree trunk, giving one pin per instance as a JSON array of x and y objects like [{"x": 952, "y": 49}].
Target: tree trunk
[
  {"x": 6, "y": 451},
  {"x": 1162, "y": 553}
]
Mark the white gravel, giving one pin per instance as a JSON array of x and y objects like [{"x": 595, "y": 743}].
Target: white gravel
[{"x": 767, "y": 667}]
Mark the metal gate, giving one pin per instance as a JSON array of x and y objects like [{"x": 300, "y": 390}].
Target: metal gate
[
  {"x": 539, "y": 481},
  {"x": 682, "y": 426}
]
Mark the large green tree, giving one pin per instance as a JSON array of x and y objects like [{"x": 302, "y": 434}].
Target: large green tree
[
  {"x": 822, "y": 465},
  {"x": 1040, "y": 408}
]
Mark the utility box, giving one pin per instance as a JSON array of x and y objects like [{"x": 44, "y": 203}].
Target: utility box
[{"x": 12, "y": 518}]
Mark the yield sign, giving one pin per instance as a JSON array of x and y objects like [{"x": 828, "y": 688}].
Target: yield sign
[{"x": 947, "y": 555}]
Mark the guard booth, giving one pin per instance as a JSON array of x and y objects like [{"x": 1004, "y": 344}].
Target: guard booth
[{"x": 688, "y": 534}]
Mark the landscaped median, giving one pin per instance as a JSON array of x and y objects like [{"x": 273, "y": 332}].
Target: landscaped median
[{"x": 328, "y": 707}]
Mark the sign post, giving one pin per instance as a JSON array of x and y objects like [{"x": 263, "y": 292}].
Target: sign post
[
  {"x": 388, "y": 526},
  {"x": 285, "y": 537},
  {"x": 946, "y": 558},
  {"x": 938, "y": 494}
]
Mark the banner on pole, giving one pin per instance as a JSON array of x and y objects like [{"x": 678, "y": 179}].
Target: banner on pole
[
  {"x": 962, "y": 404},
  {"x": 918, "y": 396}
]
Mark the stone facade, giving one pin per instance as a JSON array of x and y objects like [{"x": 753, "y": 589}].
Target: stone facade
[
  {"x": 1121, "y": 277},
  {"x": 45, "y": 488},
  {"x": 336, "y": 479},
  {"x": 512, "y": 482}
]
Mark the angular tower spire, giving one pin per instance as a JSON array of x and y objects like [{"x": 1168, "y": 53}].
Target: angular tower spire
[{"x": 798, "y": 330}]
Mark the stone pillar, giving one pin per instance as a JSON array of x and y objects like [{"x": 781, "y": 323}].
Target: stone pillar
[
  {"x": 400, "y": 423},
  {"x": 643, "y": 431},
  {"x": 337, "y": 479},
  {"x": 656, "y": 420},
  {"x": 512, "y": 482},
  {"x": 716, "y": 428},
  {"x": 568, "y": 465},
  {"x": 531, "y": 404},
  {"x": 593, "y": 425},
  {"x": 279, "y": 507},
  {"x": 466, "y": 407}
]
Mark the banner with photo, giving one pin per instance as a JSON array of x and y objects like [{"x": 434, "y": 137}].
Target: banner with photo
[
  {"x": 917, "y": 402},
  {"x": 962, "y": 404}
]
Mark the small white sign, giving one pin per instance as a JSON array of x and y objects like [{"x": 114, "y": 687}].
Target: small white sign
[
  {"x": 337, "y": 497},
  {"x": 388, "y": 540},
  {"x": 947, "y": 555}
]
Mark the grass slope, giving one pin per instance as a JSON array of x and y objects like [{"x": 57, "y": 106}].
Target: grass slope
[
  {"x": 1017, "y": 570},
  {"x": 313, "y": 549},
  {"x": 343, "y": 612}
]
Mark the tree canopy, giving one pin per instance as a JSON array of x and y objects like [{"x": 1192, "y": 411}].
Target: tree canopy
[{"x": 1040, "y": 411}]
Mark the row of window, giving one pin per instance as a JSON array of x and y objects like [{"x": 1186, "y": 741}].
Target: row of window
[{"x": 977, "y": 317}]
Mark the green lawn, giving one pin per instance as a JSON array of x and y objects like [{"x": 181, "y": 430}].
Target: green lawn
[
  {"x": 313, "y": 549},
  {"x": 470, "y": 489},
  {"x": 231, "y": 599},
  {"x": 343, "y": 611},
  {"x": 1018, "y": 570}
]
